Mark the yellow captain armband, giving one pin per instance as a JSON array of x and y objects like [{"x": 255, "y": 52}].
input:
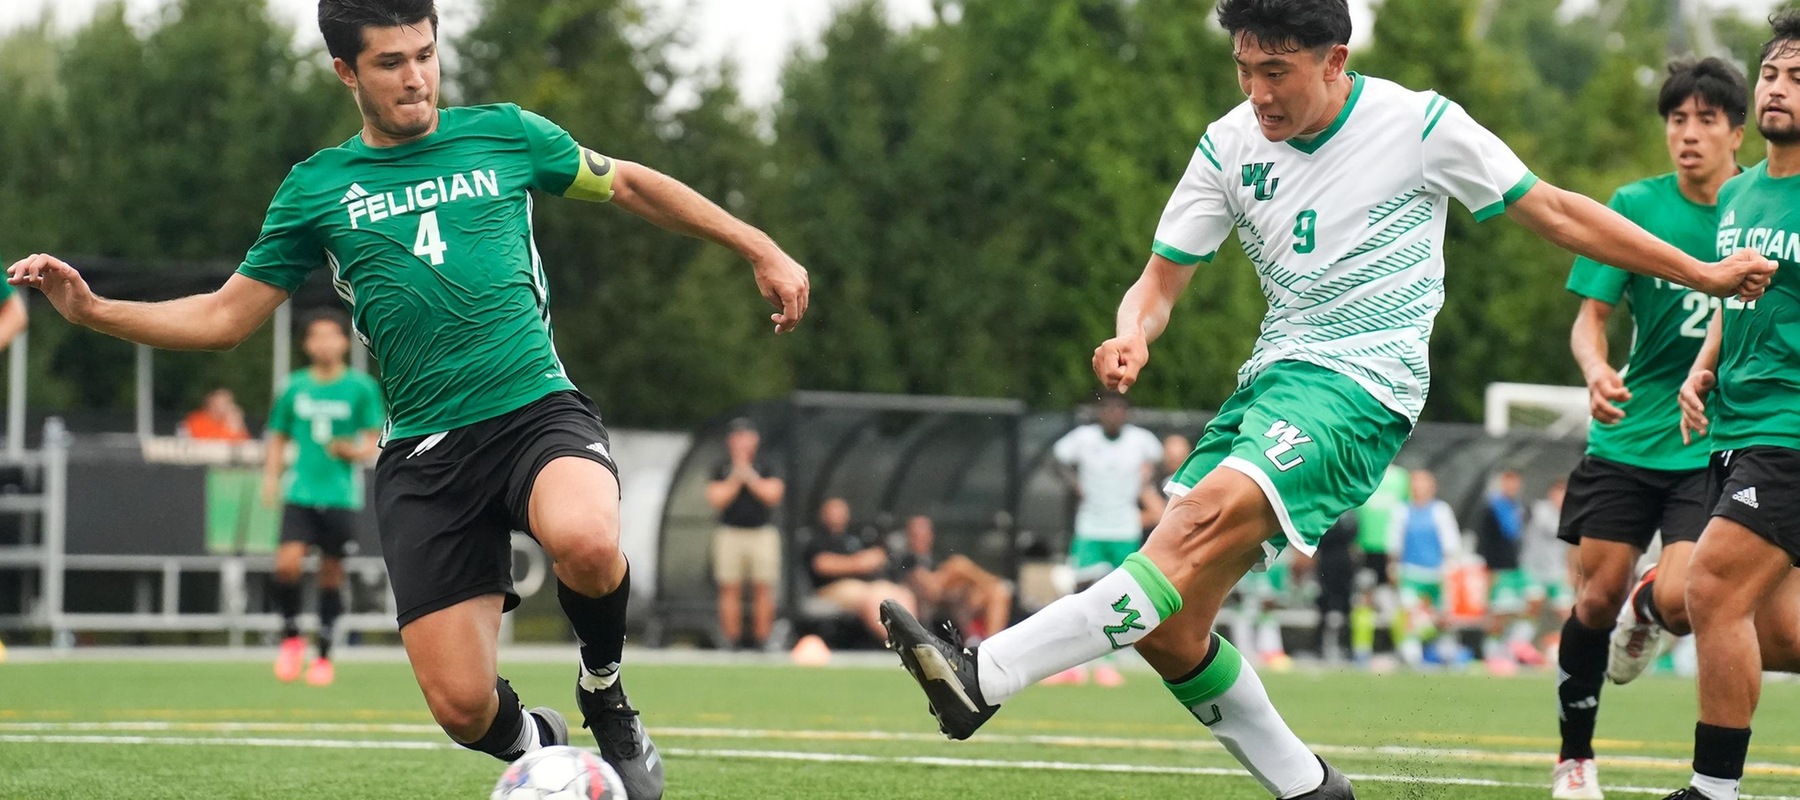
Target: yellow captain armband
[{"x": 593, "y": 178}]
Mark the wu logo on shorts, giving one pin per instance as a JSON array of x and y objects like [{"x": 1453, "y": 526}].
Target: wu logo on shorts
[
  {"x": 1126, "y": 625},
  {"x": 1257, "y": 175},
  {"x": 1287, "y": 438}
]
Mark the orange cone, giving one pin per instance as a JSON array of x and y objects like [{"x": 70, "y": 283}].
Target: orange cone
[{"x": 811, "y": 651}]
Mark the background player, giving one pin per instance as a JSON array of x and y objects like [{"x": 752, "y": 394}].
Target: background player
[
  {"x": 424, "y": 218},
  {"x": 333, "y": 414},
  {"x": 1638, "y": 476},
  {"x": 1106, "y": 464},
  {"x": 1743, "y": 594},
  {"x": 1338, "y": 185}
]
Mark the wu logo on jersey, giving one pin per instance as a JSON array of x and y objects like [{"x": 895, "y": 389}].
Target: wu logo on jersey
[
  {"x": 1286, "y": 437},
  {"x": 1257, "y": 175}
]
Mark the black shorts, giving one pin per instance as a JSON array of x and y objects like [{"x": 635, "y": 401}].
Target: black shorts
[
  {"x": 1759, "y": 488},
  {"x": 329, "y": 529},
  {"x": 1378, "y": 564},
  {"x": 447, "y": 503},
  {"x": 1616, "y": 502}
]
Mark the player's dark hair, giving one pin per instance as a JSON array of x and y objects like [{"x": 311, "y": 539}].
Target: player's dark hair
[
  {"x": 1716, "y": 83},
  {"x": 1283, "y": 26},
  {"x": 1786, "y": 27},
  {"x": 330, "y": 315},
  {"x": 341, "y": 22}
]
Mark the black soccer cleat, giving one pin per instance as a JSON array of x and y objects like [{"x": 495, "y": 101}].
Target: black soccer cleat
[
  {"x": 1335, "y": 786},
  {"x": 944, "y": 669},
  {"x": 623, "y": 743},
  {"x": 555, "y": 726},
  {"x": 1688, "y": 793}
]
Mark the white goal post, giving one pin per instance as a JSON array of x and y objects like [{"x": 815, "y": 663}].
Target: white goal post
[{"x": 1557, "y": 411}]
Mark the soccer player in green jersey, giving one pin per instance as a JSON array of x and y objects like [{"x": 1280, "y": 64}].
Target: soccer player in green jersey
[
  {"x": 333, "y": 416},
  {"x": 1338, "y": 185},
  {"x": 424, "y": 218},
  {"x": 1743, "y": 593},
  {"x": 1638, "y": 476}
]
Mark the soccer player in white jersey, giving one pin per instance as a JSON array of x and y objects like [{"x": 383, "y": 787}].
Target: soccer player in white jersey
[{"x": 1338, "y": 185}]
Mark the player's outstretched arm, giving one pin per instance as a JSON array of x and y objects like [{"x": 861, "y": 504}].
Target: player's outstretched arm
[
  {"x": 672, "y": 205},
  {"x": 1143, "y": 315},
  {"x": 1700, "y": 382},
  {"x": 1586, "y": 228},
  {"x": 12, "y": 320},
  {"x": 1587, "y": 341},
  {"x": 218, "y": 320}
]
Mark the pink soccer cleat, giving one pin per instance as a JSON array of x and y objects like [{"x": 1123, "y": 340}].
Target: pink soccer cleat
[
  {"x": 289, "y": 659},
  {"x": 321, "y": 673}
]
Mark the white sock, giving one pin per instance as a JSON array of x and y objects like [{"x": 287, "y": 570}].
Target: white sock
[
  {"x": 529, "y": 739},
  {"x": 1115, "y": 612},
  {"x": 1229, "y": 700},
  {"x": 1715, "y": 788}
]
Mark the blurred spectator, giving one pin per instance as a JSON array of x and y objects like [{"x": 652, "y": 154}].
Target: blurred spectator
[
  {"x": 1423, "y": 542},
  {"x": 1107, "y": 466},
  {"x": 218, "y": 419},
  {"x": 1153, "y": 503},
  {"x": 1335, "y": 566},
  {"x": 847, "y": 568},
  {"x": 12, "y": 314},
  {"x": 1545, "y": 558},
  {"x": 1498, "y": 530},
  {"x": 978, "y": 601},
  {"x": 746, "y": 546},
  {"x": 1375, "y": 597}
]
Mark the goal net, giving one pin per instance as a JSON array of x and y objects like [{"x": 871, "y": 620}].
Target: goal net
[{"x": 1560, "y": 412}]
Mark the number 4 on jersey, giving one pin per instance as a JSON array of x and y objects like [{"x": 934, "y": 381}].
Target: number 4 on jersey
[{"x": 429, "y": 244}]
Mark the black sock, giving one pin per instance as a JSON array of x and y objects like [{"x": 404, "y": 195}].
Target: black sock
[
  {"x": 506, "y": 738},
  {"x": 599, "y": 623},
  {"x": 331, "y": 606},
  {"x": 1582, "y": 660},
  {"x": 287, "y": 604},
  {"x": 1644, "y": 603},
  {"x": 1719, "y": 752}
]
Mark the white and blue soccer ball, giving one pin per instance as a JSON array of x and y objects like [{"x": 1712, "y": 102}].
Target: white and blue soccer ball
[{"x": 559, "y": 773}]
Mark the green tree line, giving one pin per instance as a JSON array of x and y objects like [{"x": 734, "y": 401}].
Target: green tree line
[{"x": 972, "y": 195}]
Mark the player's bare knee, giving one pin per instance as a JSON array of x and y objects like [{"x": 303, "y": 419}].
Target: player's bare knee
[
  {"x": 1709, "y": 594},
  {"x": 1599, "y": 602},
  {"x": 464, "y": 711},
  {"x": 592, "y": 564}
]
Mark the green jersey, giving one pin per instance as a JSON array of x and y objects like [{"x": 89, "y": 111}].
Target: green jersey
[
  {"x": 1377, "y": 514},
  {"x": 6, "y": 291},
  {"x": 314, "y": 415},
  {"x": 1758, "y": 398},
  {"x": 430, "y": 246},
  {"x": 1670, "y": 322}
]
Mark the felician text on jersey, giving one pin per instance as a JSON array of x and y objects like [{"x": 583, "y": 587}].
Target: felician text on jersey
[{"x": 362, "y": 204}]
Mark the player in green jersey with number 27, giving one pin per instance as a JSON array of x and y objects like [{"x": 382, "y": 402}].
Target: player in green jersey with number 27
[
  {"x": 424, "y": 218},
  {"x": 1638, "y": 477}
]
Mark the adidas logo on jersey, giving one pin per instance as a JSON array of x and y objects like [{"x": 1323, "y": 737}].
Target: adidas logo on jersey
[
  {"x": 1747, "y": 496},
  {"x": 1730, "y": 218}
]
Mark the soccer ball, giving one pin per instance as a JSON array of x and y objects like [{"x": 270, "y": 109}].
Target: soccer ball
[{"x": 559, "y": 773}]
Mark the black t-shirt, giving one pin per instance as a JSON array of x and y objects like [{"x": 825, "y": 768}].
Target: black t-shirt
[
  {"x": 1500, "y": 551},
  {"x": 850, "y": 543},
  {"x": 745, "y": 511}
]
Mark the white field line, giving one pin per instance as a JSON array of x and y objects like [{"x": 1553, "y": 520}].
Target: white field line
[
  {"x": 780, "y": 755},
  {"x": 1082, "y": 742}
]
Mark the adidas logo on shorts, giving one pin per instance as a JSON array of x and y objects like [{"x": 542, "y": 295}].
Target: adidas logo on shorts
[{"x": 1747, "y": 496}]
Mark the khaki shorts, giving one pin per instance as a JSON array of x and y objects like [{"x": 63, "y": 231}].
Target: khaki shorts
[
  {"x": 746, "y": 555},
  {"x": 850, "y": 594}
]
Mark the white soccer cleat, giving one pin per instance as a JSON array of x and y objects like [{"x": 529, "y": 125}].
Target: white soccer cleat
[
  {"x": 1635, "y": 643},
  {"x": 1576, "y": 779}
]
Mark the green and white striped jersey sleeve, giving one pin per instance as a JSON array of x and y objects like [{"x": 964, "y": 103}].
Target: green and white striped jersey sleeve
[
  {"x": 1198, "y": 216},
  {"x": 1466, "y": 161}
]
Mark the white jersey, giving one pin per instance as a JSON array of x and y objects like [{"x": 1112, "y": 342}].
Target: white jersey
[
  {"x": 1347, "y": 229},
  {"x": 1113, "y": 473}
]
